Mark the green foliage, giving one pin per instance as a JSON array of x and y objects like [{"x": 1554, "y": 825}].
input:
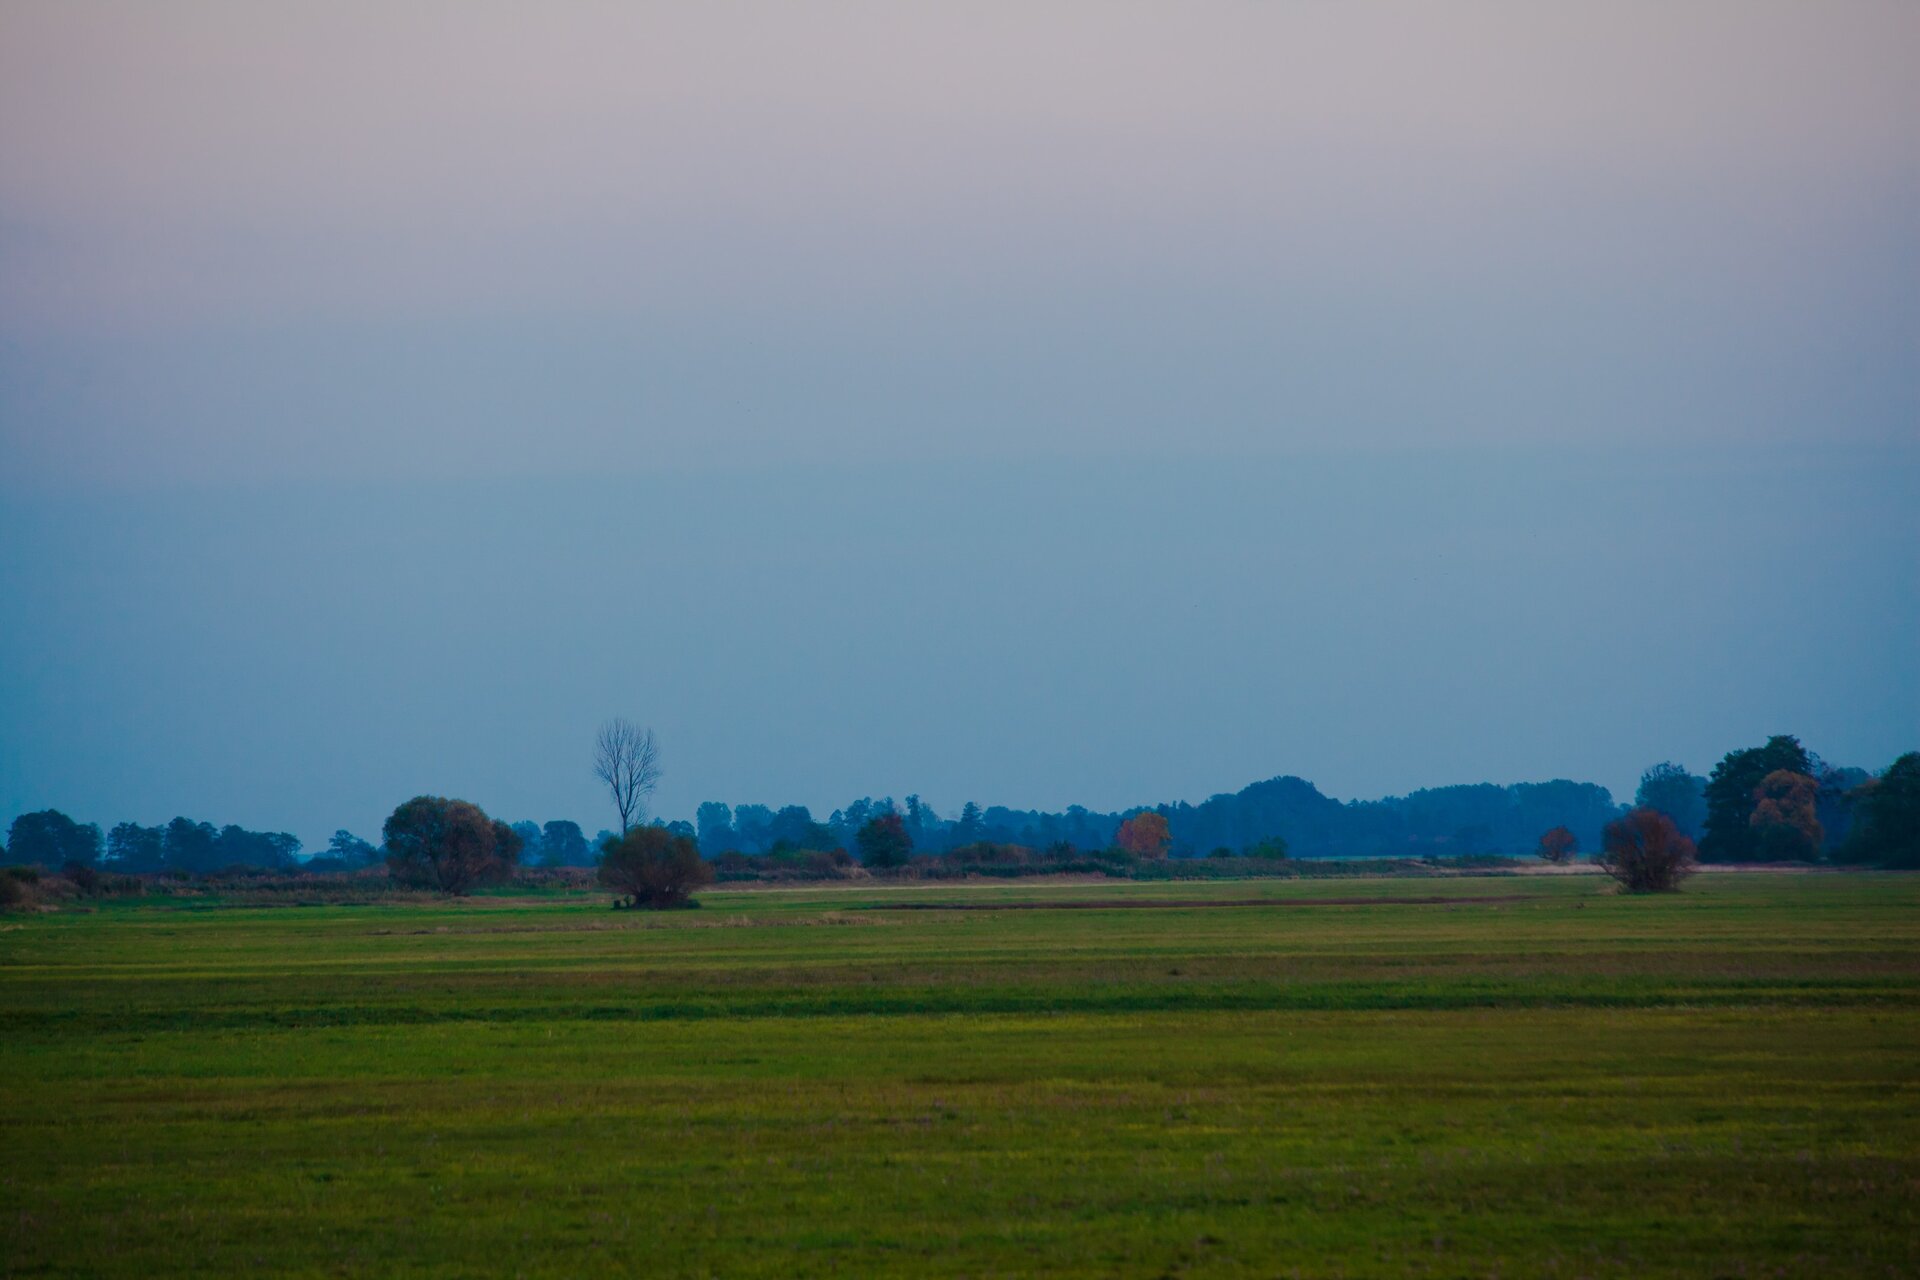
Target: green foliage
[
  {"x": 654, "y": 868},
  {"x": 1253, "y": 1078},
  {"x": 1889, "y": 808},
  {"x": 1273, "y": 848},
  {"x": 49, "y": 838},
  {"x": 1676, "y": 792},
  {"x": 1730, "y": 797},
  {"x": 883, "y": 841},
  {"x": 449, "y": 846}
]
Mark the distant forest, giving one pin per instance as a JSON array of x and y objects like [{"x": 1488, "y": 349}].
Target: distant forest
[
  {"x": 1776, "y": 802},
  {"x": 1476, "y": 819}
]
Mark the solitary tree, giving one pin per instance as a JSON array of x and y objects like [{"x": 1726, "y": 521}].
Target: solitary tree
[
  {"x": 1645, "y": 852},
  {"x": 883, "y": 840},
  {"x": 654, "y": 868},
  {"x": 1144, "y": 835},
  {"x": 1558, "y": 845},
  {"x": 627, "y": 759},
  {"x": 448, "y": 845}
]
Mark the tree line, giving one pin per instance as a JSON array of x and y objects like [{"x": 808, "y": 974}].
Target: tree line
[{"x": 1773, "y": 802}]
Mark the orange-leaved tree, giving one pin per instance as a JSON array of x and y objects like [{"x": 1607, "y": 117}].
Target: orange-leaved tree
[
  {"x": 1784, "y": 826},
  {"x": 1558, "y": 846},
  {"x": 1144, "y": 835}
]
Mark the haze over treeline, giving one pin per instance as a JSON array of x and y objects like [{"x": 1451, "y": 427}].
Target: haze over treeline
[
  {"x": 1083, "y": 403},
  {"x": 1033, "y": 635}
]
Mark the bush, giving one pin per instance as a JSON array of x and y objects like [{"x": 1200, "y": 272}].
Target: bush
[
  {"x": 1273, "y": 848},
  {"x": 13, "y": 891},
  {"x": 1558, "y": 846},
  {"x": 654, "y": 867},
  {"x": 25, "y": 873},
  {"x": 1646, "y": 853},
  {"x": 84, "y": 877}
]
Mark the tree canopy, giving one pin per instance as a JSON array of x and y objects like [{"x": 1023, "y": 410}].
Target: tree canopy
[{"x": 448, "y": 845}]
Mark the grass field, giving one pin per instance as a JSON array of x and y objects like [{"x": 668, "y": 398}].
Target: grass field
[{"x": 1512, "y": 1076}]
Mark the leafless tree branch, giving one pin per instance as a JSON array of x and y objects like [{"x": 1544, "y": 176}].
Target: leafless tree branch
[{"x": 627, "y": 759}]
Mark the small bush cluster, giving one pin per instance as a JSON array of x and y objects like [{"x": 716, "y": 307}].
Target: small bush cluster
[
  {"x": 1646, "y": 853},
  {"x": 654, "y": 868}
]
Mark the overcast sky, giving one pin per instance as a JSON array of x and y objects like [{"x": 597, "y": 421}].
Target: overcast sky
[{"x": 1039, "y": 404}]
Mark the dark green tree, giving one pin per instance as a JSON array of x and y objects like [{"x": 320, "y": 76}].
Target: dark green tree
[
  {"x": 530, "y": 842},
  {"x": 1681, "y": 795},
  {"x": 1888, "y": 830},
  {"x": 1273, "y": 847},
  {"x": 1730, "y": 796},
  {"x": 714, "y": 822},
  {"x": 135, "y": 850},
  {"x": 971, "y": 826},
  {"x": 49, "y": 838},
  {"x": 351, "y": 850},
  {"x": 191, "y": 847},
  {"x": 883, "y": 841},
  {"x": 563, "y": 844}
]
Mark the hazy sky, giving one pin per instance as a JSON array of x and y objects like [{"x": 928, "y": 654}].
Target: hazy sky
[{"x": 1031, "y": 403}]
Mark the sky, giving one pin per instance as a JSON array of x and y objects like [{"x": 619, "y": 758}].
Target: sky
[{"x": 1037, "y": 404}]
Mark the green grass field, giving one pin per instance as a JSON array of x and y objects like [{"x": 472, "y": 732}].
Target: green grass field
[{"x": 1529, "y": 1077}]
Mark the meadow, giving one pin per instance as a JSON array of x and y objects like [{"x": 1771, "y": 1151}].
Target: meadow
[{"x": 1474, "y": 1076}]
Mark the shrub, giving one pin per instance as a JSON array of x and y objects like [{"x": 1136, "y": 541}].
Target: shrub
[
  {"x": 25, "y": 873},
  {"x": 1272, "y": 848},
  {"x": 1646, "y": 853},
  {"x": 1558, "y": 846},
  {"x": 84, "y": 877},
  {"x": 653, "y": 867},
  {"x": 13, "y": 891}
]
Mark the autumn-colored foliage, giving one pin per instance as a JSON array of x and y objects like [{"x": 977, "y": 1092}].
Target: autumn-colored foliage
[
  {"x": 1785, "y": 827},
  {"x": 1645, "y": 852},
  {"x": 1144, "y": 835},
  {"x": 1558, "y": 845}
]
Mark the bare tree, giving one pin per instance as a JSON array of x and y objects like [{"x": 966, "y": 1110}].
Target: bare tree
[{"x": 627, "y": 759}]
